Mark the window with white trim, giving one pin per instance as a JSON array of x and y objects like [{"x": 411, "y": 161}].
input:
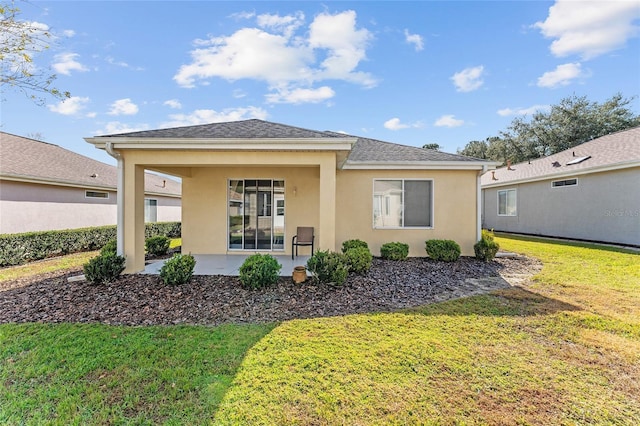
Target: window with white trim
[
  {"x": 562, "y": 183},
  {"x": 150, "y": 210},
  {"x": 402, "y": 203},
  {"x": 96, "y": 194},
  {"x": 507, "y": 203}
]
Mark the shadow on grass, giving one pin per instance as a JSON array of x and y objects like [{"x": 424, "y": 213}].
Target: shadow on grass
[{"x": 570, "y": 243}]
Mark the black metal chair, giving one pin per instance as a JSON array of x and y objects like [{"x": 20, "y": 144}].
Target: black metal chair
[{"x": 304, "y": 237}]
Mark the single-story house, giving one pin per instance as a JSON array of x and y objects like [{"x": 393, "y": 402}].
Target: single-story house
[
  {"x": 45, "y": 187},
  {"x": 590, "y": 192},
  {"x": 247, "y": 186}
]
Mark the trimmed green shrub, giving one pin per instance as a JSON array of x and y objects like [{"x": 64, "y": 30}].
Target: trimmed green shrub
[
  {"x": 486, "y": 249},
  {"x": 358, "y": 259},
  {"x": 157, "y": 245},
  {"x": 110, "y": 248},
  {"x": 16, "y": 249},
  {"x": 178, "y": 270},
  {"x": 328, "y": 267},
  {"x": 259, "y": 270},
  {"x": 445, "y": 250},
  {"x": 350, "y": 244},
  {"x": 394, "y": 251},
  {"x": 104, "y": 268}
]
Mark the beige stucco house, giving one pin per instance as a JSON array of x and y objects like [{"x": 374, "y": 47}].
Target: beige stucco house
[
  {"x": 247, "y": 186},
  {"x": 45, "y": 187}
]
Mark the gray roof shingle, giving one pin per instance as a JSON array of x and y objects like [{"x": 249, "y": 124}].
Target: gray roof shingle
[
  {"x": 618, "y": 148},
  {"x": 26, "y": 158}
]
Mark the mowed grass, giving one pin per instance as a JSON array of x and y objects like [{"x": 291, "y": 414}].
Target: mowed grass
[{"x": 563, "y": 350}]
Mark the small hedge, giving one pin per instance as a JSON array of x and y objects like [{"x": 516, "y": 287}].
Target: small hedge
[
  {"x": 445, "y": 250},
  {"x": 486, "y": 249},
  {"x": 394, "y": 251},
  {"x": 157, "y": 245},
  {"x": 350, "y": 244},
  {"x": 178, "y": 270},
  {"x": 359, "y": 260},
  {"x": 104, "y": 268},
  {"x": 110, "y": 248},
  {"x": 16, "y": 249},
  {"x": 259, "y": 270},
  {"x": 328, "y": 267}
]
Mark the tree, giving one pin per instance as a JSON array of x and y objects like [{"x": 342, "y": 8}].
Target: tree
[
  {"x": 21, "y": 41},
  {"x": 573, "y": 121},
  {"x": 433, "y": 146}
]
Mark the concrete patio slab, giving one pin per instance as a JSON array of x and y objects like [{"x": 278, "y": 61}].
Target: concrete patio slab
[{"x": 220, "y": 264}]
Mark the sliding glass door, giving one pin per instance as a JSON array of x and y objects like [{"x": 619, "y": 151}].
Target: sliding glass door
[{"x": 256, "y": 214}]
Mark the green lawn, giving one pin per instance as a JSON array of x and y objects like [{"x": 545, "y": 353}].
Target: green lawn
[{"x": 564, "y": 350}]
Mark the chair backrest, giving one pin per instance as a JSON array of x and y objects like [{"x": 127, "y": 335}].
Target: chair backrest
[{"x": 304, "y": 234}]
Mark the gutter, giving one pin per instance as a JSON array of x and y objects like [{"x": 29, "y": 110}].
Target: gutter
[
  {"x": 479, "y": 202},
  {"x": 119, "y": 197}
]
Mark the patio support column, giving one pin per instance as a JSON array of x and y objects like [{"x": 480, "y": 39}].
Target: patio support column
[
  {"x": 133, "y": 217},
  {"x": 327, "y": 232}
]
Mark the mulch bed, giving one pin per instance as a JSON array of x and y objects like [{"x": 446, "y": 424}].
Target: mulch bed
[{"x": 212, "y": 300}]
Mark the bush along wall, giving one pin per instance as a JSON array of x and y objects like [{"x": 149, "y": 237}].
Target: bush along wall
[{"x": 16, "y": 249}]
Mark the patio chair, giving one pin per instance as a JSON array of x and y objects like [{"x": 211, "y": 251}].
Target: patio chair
[{"x": 304, "y": 237}]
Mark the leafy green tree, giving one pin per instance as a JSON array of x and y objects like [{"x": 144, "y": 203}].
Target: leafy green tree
[
  {"x": 20, "y": 42},
  {"x": 573, "y": 121},
  {"x": 433, "y": 146}
]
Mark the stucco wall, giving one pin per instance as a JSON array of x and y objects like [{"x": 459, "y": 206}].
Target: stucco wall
[
  {"x": 454, "y": 205},
  {"x": 28, "y": 207},
  {"x": 602, "y": 207}
]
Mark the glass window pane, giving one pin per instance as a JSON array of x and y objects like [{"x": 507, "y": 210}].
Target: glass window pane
[
  {"x": 417, "y": 203},
  {"x": 236, "y": 203},
  {"x": 387, "y": 204}
]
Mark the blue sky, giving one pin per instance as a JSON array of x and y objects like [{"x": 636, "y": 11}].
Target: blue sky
[{"x": 404, "y": 72}]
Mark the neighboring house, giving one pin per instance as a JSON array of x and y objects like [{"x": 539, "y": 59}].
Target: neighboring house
[
  {"x": 46, "y": 187},
  {"x": 247, "y": 186},
  {"x": 589, "y": 192}
]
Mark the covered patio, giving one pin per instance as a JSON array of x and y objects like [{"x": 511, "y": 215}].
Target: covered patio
[{"x": 221, "y": 264}]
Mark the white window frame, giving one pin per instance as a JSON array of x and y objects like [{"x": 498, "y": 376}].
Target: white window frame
[
  {"x": 565, "y": 185},
  {"x": 384, "y": 202},
  {"x": 515, "y": 192},
  {"x": 86, "y": 195},
  {"x": 147, "y": 204}
]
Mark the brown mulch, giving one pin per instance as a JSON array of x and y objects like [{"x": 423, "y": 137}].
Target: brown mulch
[{"x": 211, "y": 300}]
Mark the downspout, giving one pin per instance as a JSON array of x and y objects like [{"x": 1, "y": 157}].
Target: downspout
[
  {"x": 479, "y": 203},
  {"x": 119, "y": 197}
]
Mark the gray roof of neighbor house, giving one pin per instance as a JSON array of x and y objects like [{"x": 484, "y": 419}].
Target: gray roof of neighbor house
[
  {"x": 35, "y": 161},
  {"x": 364, "y": 150},
  {"x": 614, "y": 151}
]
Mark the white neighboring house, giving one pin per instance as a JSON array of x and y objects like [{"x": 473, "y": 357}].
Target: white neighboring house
[
  {"x": 590, "y": 192},
  {"x": 46, "y": 187}
]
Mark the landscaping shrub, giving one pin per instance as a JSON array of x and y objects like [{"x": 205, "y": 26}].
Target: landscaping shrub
[
  {"x": 104, "y": 268},
  {"x": 445, "y": 250},
  {"x": 16, "y": 249},
  {"x": 178, "y": 270},
  {"x": 328, "y": 267},
  {"x": 157, "y": 245},
  {"x": 350, "y": 244},
  {"x": 110, "y": 248},
  {"x": 394, "y": 251},
  {"x": 358, "y": 259},
  {"x": 486, "y": 248},
  {"x": 259, "y": 270}
]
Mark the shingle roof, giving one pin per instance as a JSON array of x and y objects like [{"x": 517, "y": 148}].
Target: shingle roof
[
  {"x": 364, "y": 150},
  {"x": 25, "y": 158},
  {"x": 617, "y": 149}
]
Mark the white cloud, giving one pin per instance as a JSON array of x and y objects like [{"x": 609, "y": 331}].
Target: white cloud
[
  {"x": 66, "y": 62},
  {"x": 414, "y": 39},
  {"x": 563, "y": 75},
  {"x": 116, "y": 127},
  {"x": 123, "y": 107},
  {"x": 68, "y": 33},
  {"x": 396, "y": 124},
  {"x": 299, "y": 96},
  {"x": 469, "y": 79},
  {"x": 173, "y": 103},
  {"x": 205, "y": 116},
  {"x": 590, "y": 28},
  {"x": 71, "y": 106},
  {"x": 448, "y": 121},
  {"x": 523, "y": 111},
  {"x": 290, "y": 62}
]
